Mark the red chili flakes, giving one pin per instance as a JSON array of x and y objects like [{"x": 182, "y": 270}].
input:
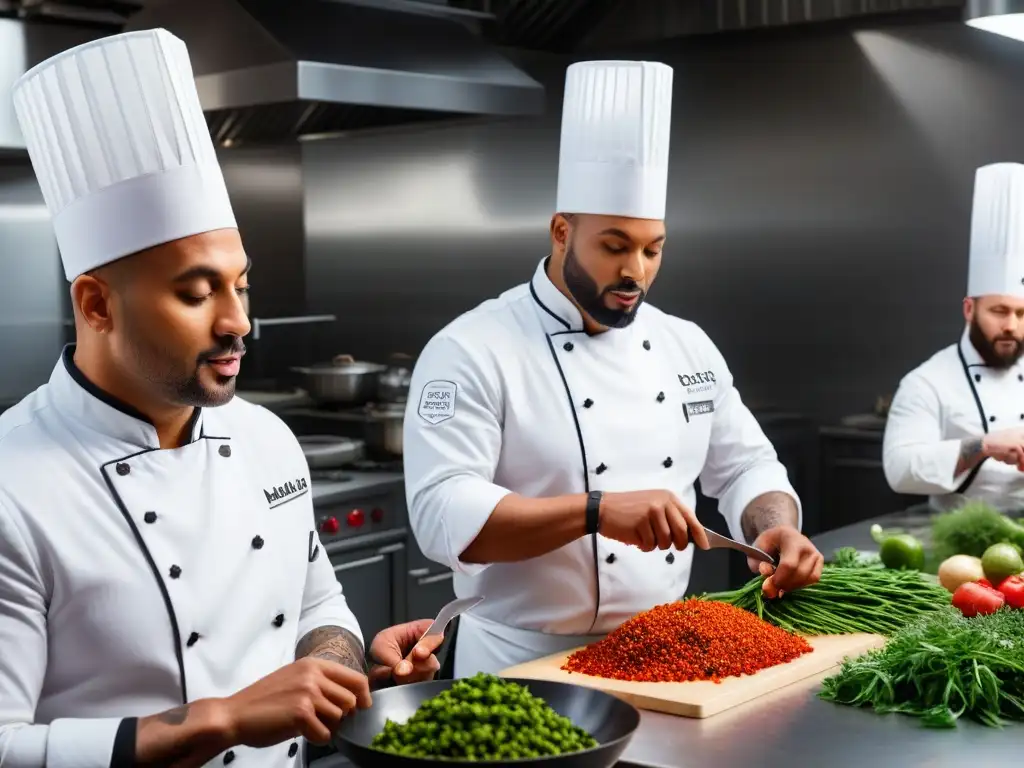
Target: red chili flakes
[{"x": 689, "y": 640}]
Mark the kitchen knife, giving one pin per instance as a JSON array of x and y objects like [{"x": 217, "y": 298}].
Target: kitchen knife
[{"x": 718, "y": 541}]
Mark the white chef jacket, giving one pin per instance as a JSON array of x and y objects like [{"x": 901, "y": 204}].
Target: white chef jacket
[
  {"x": 951, "y": 397},
  {"x": 133, "y": 579},
  {"x": 514, "y": 396}
]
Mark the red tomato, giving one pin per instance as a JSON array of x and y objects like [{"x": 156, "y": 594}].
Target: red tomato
[
  {"x": 1012, "y": 589},
  {"x": 985, "y": 583},
  {"x": 973, "y": 599}
]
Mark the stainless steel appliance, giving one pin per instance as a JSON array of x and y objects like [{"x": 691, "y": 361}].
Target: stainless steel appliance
[{"x": 363, "y": 524}]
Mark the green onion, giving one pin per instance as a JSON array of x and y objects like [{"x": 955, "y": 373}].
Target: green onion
[{"x": 846, "y": 600}]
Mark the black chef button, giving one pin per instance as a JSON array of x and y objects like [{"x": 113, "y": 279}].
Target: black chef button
[
  {"x": 661, "y": 397},
  {"x": 610, "y": 559},
  {"x": 568, "y": 346},
  {"x": 977, "y": 377},
  {"x": 991, "y": 418},
  {"x": 149, "y": 517},
  {"x": 229, "y": 757},
  {"x": 1020, "y": 377},
  {"x": 667, "y": 462},
  {"x": 587, "y": 403},
  {"x": 257, "y": 542},
  {"x": 670, "y": 558},
  {"x": 225, "y": 451},
  {"x": 601, "y": 468},
  {"x": 123, "y": 469},
  {"x": 193, "y": 639},
  {"x": 175, "y": 571},
  {"x": 647, "y": 344},
  {"x": 293, "y": 749},
  {"x": 279, "y": 620}
]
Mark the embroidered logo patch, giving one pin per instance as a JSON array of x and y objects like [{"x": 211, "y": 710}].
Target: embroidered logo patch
[
  {"x": 437, "y": 402},
  {"x": 699, "y": 381}
]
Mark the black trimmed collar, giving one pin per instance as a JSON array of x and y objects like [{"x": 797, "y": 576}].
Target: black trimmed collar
[
  {"x": 101, "y": 411},
  {"x": 558, "y": 313}
]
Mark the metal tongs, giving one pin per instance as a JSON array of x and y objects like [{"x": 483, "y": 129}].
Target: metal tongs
[{"x": 718, "y": 541}]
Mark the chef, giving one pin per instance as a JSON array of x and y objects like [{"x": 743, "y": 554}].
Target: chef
[
  {"x": 554, "y": 434},
  {"x": 164, "y": 596},
  {"x": 955, "y": 429}
]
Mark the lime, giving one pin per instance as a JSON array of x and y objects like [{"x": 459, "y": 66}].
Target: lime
[
  {"x": 902, "y": 551},
  {"x": 1000, "y": 561}
]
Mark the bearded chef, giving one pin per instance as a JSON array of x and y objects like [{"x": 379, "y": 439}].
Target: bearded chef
[
  {"x": 955, "y": 429},
  {"x": 157, "y": 605},
  {"x": 555, "y": 433}
]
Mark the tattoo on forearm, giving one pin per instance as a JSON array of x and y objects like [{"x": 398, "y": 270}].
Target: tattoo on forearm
[
  {"x": 970, "y": 454},
  {"x": 175, "y": 716},
  {"x": 767, "y": 511},
  {"x": 334, "y": 644}
]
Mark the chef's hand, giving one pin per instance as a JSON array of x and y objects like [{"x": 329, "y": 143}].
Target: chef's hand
[
  {"x": 800, "y": 562},
  {"x": 650, "y": 520},
  {"x": 308, "y": 698},
  {"x": 1006, "y": 445},
  {"x": 391, "y": 646}
]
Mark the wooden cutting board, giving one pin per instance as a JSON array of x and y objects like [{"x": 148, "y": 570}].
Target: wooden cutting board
[{"x": 703, "y": 698}]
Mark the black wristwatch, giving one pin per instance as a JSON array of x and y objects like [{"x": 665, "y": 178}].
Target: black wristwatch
[{"x": 593, "y": 511}]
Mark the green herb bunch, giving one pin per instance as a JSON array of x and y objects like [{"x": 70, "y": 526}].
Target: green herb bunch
[
  {"x": 846, "y": 600},
  {"x": 941, "y": 668},
  {"x": 483, "y": 718}
]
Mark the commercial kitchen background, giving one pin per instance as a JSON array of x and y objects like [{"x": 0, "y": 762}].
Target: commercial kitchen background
[{"x": 818, "y": 217}]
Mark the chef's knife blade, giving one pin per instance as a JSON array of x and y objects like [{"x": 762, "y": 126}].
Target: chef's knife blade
[{"x": 718, "y": 541}]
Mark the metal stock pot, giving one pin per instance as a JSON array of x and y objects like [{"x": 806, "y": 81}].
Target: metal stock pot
[{"x": 343, "y": 381}]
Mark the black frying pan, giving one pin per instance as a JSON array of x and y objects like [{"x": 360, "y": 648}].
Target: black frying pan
[{"x": 609, "y": 720}]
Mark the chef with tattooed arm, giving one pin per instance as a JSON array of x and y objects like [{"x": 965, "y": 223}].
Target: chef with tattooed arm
[{"x": 159, "y": 605}]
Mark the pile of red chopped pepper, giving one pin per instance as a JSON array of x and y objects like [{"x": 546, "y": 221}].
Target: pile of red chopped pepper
[
  {"x": 981, "y": 598},
  {"x": 689, "y": 640}
]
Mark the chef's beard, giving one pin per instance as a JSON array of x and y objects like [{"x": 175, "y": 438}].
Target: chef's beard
[
  {"x": 987, "y": 348},
  {"x": 185, "y": 387},
  {"x": 591, "y": 299}
]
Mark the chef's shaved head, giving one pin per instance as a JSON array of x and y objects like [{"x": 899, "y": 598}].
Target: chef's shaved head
[
  {"x": 606, "y": 264},
  {"x": 996, "y": 328},
  {"x": 163, "y": 328}
]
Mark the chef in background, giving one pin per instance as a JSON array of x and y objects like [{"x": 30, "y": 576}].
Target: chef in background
[
  {"x": 554, "y": 434},
  {"x": 155, "y": 607},
  {"x": 955, "y": 429}
]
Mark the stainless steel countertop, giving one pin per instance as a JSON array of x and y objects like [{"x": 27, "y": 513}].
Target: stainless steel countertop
[{"x": 793, "y": 728}]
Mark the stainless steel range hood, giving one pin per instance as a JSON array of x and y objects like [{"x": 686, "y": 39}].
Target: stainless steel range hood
[{"x": 269, "y": 70}]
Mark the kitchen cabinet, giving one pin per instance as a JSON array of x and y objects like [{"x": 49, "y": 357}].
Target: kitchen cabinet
[
  {"x": 429, "y": 583},
  {"x": 374, "y": 582},
  {"x": 853, "y": 484}
]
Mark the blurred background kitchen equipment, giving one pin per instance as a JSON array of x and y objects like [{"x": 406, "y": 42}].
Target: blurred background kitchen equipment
[
  {"x": 393, "y": 386},
  {"x": 331, "y": 451},
  {"x": 383, "y": 428},
  {"x": 343, "y": 381}
]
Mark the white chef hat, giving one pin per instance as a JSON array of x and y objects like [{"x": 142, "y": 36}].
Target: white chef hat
[
  {"x": 616, "y": 119},
  {"x": 120, "y": 147},
  {"x": 997, "y": 231}
]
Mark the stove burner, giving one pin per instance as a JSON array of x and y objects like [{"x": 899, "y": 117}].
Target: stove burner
[
  {"x": 370, "y": 465},
  {"x": 330, "y": 475}
]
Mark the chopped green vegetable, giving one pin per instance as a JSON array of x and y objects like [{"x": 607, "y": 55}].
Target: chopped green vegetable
[
  {"x": 940, "y": 668},
  {"x": 972, "y": 529},
  {"x": 845, "y": 601},
  {"x": 483, "y": 718}
]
